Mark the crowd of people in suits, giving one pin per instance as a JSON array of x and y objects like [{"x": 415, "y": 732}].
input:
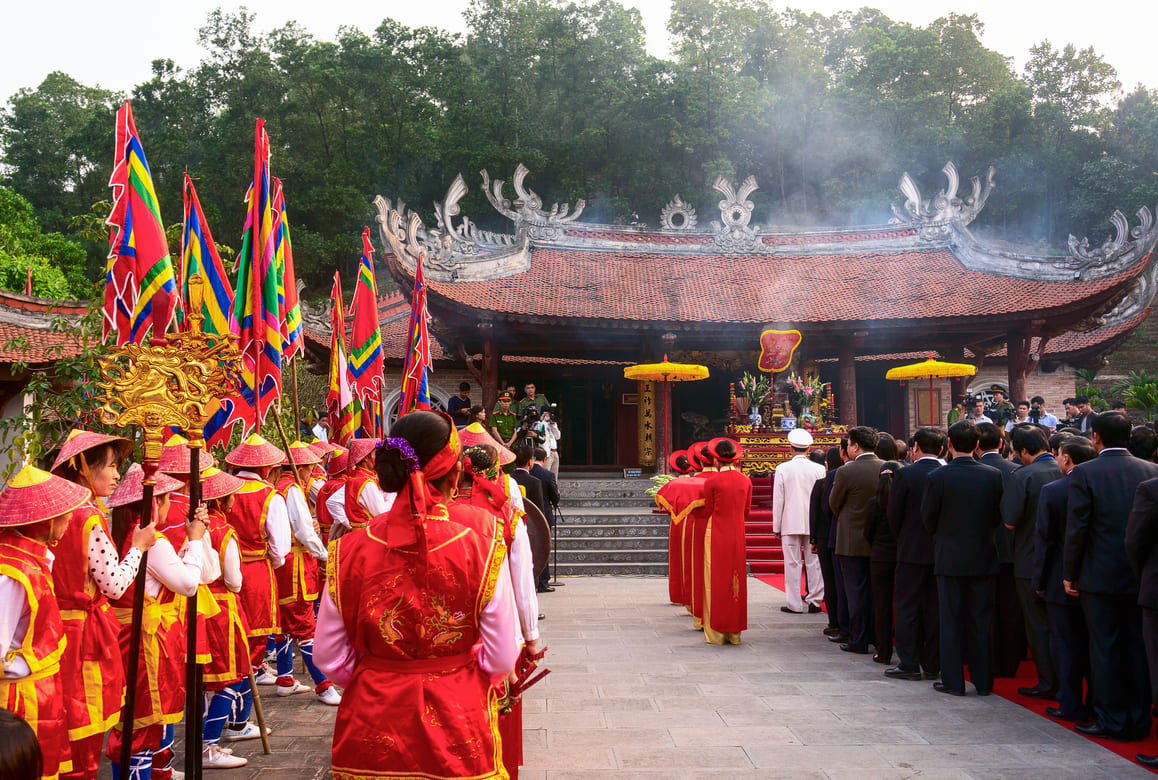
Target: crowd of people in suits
[{"x": 964, "y": 549}]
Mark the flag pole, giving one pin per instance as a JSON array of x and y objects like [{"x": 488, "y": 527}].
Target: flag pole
[
  {"x": 133, "y": 662},
  {"x": 194, "y": 701},
  {"x": 297, "y": 405}
]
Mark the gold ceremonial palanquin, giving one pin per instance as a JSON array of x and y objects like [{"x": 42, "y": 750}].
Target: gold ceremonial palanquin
[{"x": 765, "y": 450}]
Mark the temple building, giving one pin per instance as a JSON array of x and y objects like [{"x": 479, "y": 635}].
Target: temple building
[{"x": 567, "y": 304}]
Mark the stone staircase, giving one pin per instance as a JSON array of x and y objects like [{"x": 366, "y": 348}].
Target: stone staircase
[{"x": 608, "y": 527}]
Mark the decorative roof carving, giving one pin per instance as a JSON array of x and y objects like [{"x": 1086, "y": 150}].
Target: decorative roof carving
[
  {"x": 526, "y": 211},
  {"x": 678, "y": 215},
  {"x": 933, "y": 218},
  {"x": 1139, "y": 298},
  {"x": 1123, "y": 243},
  {"x": 734, "y": 235},
  {"x": 448, "y": 252}
]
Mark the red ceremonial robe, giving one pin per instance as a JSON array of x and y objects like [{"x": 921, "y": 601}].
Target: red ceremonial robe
[
  {"x": 356, "y": 480},
  {"x": 160, "y": 697},
  {"x": 697, "y": 526},
  {"x": 225, "y": 632},
  {"x": 488, "y": 496},
  {"x": 418, "y": 705},
  {"x": 37, "y": 697},
  {"x": 727, "y": 504},
  {"x": 258, "y": 595},
  {"x": 679, "y": 499},
  {"x": 92, "y": 673}
]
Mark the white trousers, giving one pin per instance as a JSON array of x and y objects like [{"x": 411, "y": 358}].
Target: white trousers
[
  {"x": 552, "y": 462},
  {"x": 797, "y": 550}
]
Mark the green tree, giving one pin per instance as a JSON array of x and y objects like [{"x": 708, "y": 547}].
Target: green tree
[
  {"x": 56, "y": 141},
  {"x": 57, "y": 264}
]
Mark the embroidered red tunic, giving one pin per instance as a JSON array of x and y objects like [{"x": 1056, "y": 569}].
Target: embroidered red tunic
[
  {"x": 258, "y": 595},
  {"x": 297, "y": 578},
  {"x": 325, "y": 519},
  {"x": 412, "y": 615},
  {"x": 225, "y": 632},
  {"x": 92, "y": 672},
  {"x": 727, "y": 504},
  {"x": 37, "y": 697},
  {"x": 160, "y": 674},
  {"x": 356, "y": 480}
]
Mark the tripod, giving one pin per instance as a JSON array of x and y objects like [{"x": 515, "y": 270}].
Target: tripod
[{"x": 554, "y": 583}]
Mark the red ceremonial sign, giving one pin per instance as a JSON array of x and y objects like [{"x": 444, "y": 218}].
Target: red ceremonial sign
[{"x": 776, "y": 348}]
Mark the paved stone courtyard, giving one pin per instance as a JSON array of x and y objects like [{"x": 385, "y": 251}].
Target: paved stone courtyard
[{"x": 635, "y": 692}]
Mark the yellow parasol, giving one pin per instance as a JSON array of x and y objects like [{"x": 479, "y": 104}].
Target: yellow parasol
[
  {"x": 666, "y": 372},
  {"x": 931, "y": 369}
]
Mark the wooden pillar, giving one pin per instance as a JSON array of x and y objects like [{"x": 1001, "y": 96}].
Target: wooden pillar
[
  {"x": 956, "y": 354},
  {"x": 1017, "y": 344},
  {"x": 490, "y": 367},
  {"x": 846, "y": 399}
]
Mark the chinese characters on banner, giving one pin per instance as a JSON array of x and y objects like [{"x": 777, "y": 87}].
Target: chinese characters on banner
[{"x": 647, "y": 422}]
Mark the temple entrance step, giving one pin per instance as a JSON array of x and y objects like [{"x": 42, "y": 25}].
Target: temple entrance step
[{"x": 608, "y": 526}]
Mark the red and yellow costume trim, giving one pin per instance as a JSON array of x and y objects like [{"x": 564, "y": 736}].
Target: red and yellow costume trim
[{"x": 37, "y": 697}]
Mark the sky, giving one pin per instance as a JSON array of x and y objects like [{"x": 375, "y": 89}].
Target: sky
[{"x": 96, "y": 47}]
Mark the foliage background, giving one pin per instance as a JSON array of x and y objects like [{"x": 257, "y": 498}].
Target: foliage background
[{"x": 825, "y": 111}]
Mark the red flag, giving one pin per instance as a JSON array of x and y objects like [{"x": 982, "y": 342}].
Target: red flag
[
  {"x": 365, "y": 336},
  {"x": 140, "y": 289},
  {"x": 414, "y": 388},
  {"x": 339, "y": 399}
]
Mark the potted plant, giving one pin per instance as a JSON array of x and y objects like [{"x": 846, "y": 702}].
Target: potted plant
[
  {"x": 803, "y": 392},
  {"x": 751, "y": 390}
]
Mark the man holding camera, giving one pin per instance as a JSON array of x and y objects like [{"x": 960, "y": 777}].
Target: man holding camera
[
  {"x": 1038, "y": 414},
  {"x": 548, "y": 434}
]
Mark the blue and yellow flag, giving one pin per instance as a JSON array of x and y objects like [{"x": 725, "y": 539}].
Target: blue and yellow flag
[
  {"x": 199, "y": 256},
  {"x": 140, "y": 288},
  {"x": 256, "y": 317}
]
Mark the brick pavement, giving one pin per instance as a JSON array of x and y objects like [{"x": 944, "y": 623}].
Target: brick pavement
[{"x": 635, "y": 692}]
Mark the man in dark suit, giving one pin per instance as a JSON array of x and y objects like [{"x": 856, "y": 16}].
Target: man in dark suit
[
  {"x": 533, "y": 490},
  {"x": 853, "y": 486},
  {"x": 915, "y": 603},
  {"x": 1008, "y": 627},
  {"x": 1019, "y": 514},
  {"x": 1069, "y": 639},
  {"x": 820, "y": 529},
  {"x": 962, "y": 506},
  {"x": 1142, "y": 547},
  {"x": 550, "y": 498},
  {"x": 1097, "y": 570}
]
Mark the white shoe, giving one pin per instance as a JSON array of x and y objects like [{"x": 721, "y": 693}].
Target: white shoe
[
  {"x": 214, "y": 758},
  {"x": 290, "y": 690},
  {"x": 330, "y": 696},
  {"x": 176, "y": 774},
  {"x": 266, "y": 677},
  {"x": 251, "y": 731}
]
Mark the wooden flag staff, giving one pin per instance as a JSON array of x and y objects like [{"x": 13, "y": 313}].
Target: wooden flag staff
[{"x": 168, "y": 382}]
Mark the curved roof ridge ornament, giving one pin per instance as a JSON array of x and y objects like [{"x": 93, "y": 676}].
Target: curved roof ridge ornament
[
  {"x": 526, "y": 211},
  {"x": 932, "y": 218},
  {"x": 1124, "y": 244},
  {"x": 733, "y": 233}
]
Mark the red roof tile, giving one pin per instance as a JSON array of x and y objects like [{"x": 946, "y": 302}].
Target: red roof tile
[
  {"x": 724, "y": 289},
  {"x": 42, "y": 346}
]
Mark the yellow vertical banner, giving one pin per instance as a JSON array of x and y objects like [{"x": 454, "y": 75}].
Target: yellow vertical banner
[{"x": 648, "y": 435}]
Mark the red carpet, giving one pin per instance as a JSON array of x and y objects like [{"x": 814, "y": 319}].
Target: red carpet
[{"x": 1027, "y": 678}]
